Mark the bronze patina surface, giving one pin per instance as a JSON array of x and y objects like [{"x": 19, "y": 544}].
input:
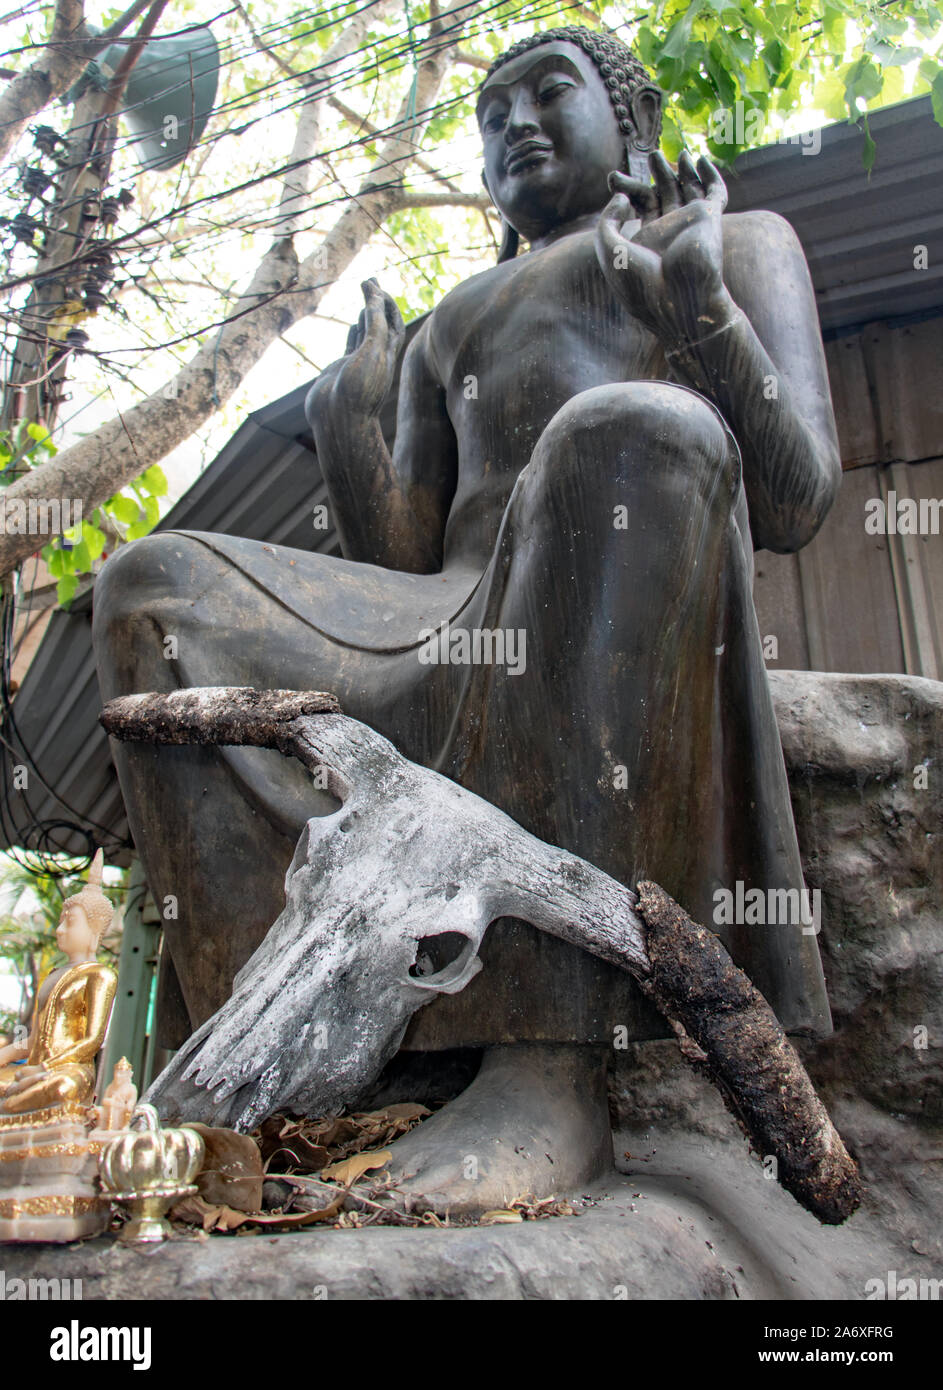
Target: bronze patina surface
[{"x": 592, "y": 436}]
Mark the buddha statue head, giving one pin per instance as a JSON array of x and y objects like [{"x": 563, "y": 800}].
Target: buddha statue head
[
  {"x": 558, "y": 112},
  {"x": 85, "y": 917}
]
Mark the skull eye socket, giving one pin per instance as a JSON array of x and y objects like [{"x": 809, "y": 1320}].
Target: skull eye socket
[{"x": 436, "y": 953}]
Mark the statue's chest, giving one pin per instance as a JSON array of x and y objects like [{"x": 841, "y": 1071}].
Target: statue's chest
[{"x": 548, "y": 320}]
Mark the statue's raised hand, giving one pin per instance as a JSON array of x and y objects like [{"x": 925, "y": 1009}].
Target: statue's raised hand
[
  {"x": 670, "y": 273},
  {"x": 360, "y": 381}
]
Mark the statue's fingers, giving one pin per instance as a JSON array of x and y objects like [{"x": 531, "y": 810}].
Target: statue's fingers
[
  {"x": 641, "y": 195},
  {"x": 356, "y": 334},
  {"x": 666, "y": 183},
  {"x": 714, "y": 187},
  {"x": 394, "y": 318},
  {"x": 617, "y": 255},
  {"x": 691, "y": 186},
  {"x": 378, "y": 328},
  {"x": 610, "y": 240}
]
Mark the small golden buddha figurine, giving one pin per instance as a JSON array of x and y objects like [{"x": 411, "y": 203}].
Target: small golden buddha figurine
[{"x": 70, "y": 1014}]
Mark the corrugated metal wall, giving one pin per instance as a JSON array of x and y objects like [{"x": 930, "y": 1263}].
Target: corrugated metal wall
[{"x": 851, "y": 601}]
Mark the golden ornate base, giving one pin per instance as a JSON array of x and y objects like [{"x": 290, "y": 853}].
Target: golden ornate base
[
  {"x": 146, "y": 1209},
  {"x": 49, "y": 1177}
]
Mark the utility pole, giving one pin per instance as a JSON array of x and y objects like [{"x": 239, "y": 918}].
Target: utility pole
[{"x": 73, "y": 266}]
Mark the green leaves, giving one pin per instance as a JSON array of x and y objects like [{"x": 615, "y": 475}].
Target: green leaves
[
  {"x": 65, "y": 589},
  {"x": 154, "y": 481},
  {"x": 862, "y": 80},
  {"x": 125, "y": 509},
  {"x": 731, "y": 56},
  {"x": 132, "y": 516},
  {"x": 679, "y": 35},
  {"x": 932, "y": 73}
]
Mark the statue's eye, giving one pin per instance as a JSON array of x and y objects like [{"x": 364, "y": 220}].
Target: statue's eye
[
  {"x": 494, "y": 122},
  {"x": 547, "y": 94}
]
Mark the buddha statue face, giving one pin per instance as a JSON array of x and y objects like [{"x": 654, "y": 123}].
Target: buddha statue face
[
  {"x": 551, "y": 136},
  {"x": 74, "y": 934}
]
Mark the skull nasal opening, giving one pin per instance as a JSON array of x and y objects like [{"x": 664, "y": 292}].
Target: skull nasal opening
[{"x": 436, "y": 953}]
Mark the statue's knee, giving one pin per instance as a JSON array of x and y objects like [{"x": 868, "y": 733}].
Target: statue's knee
[
  {"x": 631, "y": 430},
  {"x": 139, "y": 581}
]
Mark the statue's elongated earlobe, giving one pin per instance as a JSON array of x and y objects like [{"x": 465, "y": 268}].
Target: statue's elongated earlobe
[
  {"x": 636, "y": 164},
  {"x": 645, "y": 111},
  {"x": 510, "y": 241}
]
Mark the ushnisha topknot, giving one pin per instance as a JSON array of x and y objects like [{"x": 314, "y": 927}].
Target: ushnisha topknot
[
  {"x": 92, "y": 900},
  {"x": 615, "y": 62}
]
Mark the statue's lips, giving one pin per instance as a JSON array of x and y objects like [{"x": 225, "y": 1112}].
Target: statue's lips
[{"x": 524, "y": 155}]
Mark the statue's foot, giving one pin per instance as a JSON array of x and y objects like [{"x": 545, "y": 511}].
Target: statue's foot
[{"x": 533, "y": 1123}]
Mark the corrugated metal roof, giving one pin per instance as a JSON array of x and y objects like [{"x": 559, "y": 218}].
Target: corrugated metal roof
[
  {"x": 859, "y": 236},
  {"x": 859, "y": 233}
]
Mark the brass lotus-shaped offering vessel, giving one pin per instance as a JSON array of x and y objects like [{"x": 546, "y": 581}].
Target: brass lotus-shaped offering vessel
[{"x": 149, "y": 1169}]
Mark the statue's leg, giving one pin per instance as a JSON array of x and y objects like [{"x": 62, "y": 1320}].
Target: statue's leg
[
  {"x": 56, "y": 1087},
  {"x": 214, "y": 858},
  {"x": 216, "y": 828},
  {"x": 621, "y": 534},
  {"x": 604, "y": 743}
]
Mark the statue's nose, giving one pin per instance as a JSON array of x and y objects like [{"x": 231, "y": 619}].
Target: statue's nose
[{"x": 523, "y": 119}]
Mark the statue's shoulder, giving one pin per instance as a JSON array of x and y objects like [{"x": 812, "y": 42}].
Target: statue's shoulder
[
  {"x": 472, "y": 293},
  {"x": 764, "y": 263},
  {"x": 449, "y": 320},
  {"x": 764, "y": 228},
  {"x": 91, "y": 974}
]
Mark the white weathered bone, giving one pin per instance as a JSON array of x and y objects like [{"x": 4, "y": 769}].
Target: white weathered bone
[{"x": 325, "y": 1000}]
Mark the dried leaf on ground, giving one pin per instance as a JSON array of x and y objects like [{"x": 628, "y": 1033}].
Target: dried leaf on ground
[
  {"x": 547, "y": 1206},
  {"x": 310, "y": 1145},
  {"x": 194, "y": 1211},
  {"x": 350, "y": 1169},
  {"x": 501, "y": 1217},
  {"x": 231, "y": 1172}
]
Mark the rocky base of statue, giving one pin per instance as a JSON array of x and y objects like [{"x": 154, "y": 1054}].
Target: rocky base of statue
[
  {"x": 690, "y": 1216},
  {"x": 49, "y": 1189}
]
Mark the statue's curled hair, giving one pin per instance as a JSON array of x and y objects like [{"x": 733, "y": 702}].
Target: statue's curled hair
[{"x": 615, "y": 62}]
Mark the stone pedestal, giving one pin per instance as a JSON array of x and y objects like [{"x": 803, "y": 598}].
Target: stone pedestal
[{"x": 49, "y": 1187}]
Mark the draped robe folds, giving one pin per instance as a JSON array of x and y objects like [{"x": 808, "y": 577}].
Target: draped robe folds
[{"x": 634, "y": 726}]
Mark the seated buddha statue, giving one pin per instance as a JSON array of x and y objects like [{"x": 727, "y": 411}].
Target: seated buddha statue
[
  {"x": 56, "y": 1065},
  {"x": 592, "y": 437}
]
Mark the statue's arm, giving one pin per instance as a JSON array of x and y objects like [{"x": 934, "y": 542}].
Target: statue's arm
[
  {"x": 389, "y": 510},
  {"x": 763, "y": 365},
  {"x": 731, "y": 302}
]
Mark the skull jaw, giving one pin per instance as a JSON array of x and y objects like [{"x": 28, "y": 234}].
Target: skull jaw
[
  {"x": 307, "y": 1033},
  {"x": 349, "y": 1050}
]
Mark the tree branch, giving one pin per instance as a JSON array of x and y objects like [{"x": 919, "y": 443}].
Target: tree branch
[
  {"x": 67, "y": 54},
  {"x": 408, "y": 199},
  {"x": 262, "y": 46},
  {"x": 470, "y": 60},
  {"x": 297, "y": 185},
  {"x": 362, "y": 123}
]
